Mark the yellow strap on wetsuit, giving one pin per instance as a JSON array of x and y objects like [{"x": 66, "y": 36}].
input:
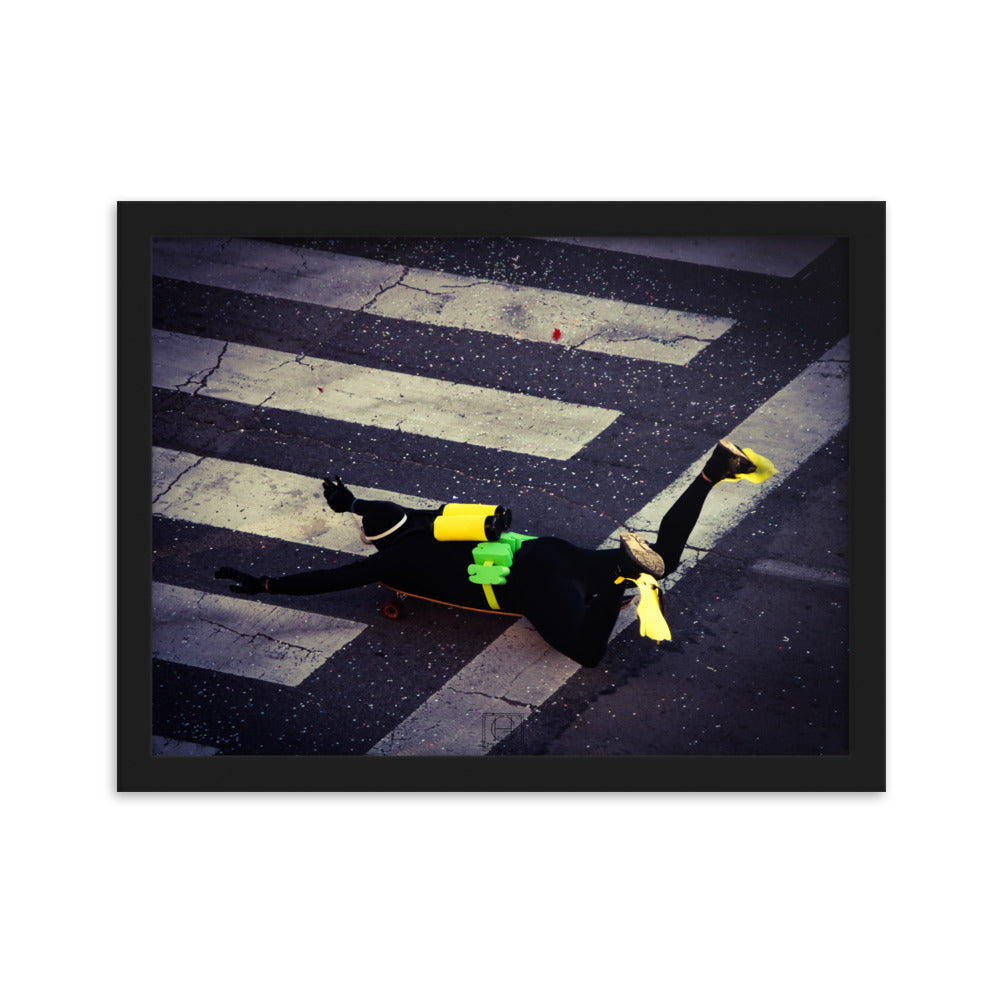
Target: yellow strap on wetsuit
[
  {"x": 652, "y": 624},
  {"x": 491, "y": 598},
  {"x": 492, "y": 563}
]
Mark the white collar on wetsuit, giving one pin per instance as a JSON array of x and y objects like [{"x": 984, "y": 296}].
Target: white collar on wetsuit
[{"x": 368, "y": 539}]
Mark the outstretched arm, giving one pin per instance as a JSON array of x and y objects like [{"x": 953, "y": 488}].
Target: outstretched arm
[
  {"x": 338, "y": 496},
  {"x": 318, "y": 581}
]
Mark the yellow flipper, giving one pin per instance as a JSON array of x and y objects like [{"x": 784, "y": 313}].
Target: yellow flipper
[
  {"x": 652, "y": 624},
  {"x": 765, "y": 468}
]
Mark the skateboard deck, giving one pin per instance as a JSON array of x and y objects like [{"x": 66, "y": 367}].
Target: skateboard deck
[{"x": 393, "y": 609}]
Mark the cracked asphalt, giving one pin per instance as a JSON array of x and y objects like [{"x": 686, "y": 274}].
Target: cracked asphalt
[{"x": 758, "y": 663}]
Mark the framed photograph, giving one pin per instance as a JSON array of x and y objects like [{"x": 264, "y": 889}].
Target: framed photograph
[{"x": 501, "y": 496}]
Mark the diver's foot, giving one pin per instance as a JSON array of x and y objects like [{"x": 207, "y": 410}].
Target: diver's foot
[
  {"x": 636, "y": 555},
  {"x": 727, "y": 462}
]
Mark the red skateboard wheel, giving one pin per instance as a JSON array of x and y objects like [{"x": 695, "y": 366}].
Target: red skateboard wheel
[{"x": 392, "y": 610}]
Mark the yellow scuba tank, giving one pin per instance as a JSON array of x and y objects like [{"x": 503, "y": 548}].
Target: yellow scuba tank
[{"x": 471, "y": 522}]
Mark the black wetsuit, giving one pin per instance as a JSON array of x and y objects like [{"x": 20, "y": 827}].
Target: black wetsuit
[{"x": 568, "y": 593}]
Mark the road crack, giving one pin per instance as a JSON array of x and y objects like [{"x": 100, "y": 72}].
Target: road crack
[
  {"x": 664, "y": 341},
  {"x": 205, "y": 373},
  {"x": 297, "y": 360},
  {"x": 382, "y": 289},
  {"x": 173, "y": 483},
  {"x": 256, "y": 635},
  {"x": 497, "y": 697}
]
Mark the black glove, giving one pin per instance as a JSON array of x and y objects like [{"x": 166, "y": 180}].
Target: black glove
[
  {"x": 338, "y": 496},
  {"x": 245, "y": 583}
]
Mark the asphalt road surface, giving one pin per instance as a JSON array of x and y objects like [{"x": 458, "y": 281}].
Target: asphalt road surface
[{"x": 577, "y": 384}]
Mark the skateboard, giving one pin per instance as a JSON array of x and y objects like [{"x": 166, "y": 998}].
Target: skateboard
[{"x": 394, "y": 607}]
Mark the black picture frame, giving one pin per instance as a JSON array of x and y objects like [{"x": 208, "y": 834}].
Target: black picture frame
[{"x": 863, "y": 224}]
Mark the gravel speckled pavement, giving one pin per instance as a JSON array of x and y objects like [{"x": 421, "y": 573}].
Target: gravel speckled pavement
[{"x": 759, "y": 661}]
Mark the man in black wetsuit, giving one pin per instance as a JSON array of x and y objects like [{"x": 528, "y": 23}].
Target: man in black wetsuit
[{"x": 568, "y": 593}]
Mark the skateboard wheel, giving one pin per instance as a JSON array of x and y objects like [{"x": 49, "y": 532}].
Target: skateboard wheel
[{"x": 392, "y": 610}]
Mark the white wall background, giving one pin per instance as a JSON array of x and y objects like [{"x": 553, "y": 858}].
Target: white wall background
[{"x": 774, "y": 896}]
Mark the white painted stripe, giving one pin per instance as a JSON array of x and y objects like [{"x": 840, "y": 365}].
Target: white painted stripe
[
  {"x": 244, "y": 637},
  {"x": 804, "y": 574},
  {"x": 258, "y": 500},
  {"x": 517, "y": 673},
  {"x": 782, "y": 256},
  {"x": 488, "y": 418},
  {"x": 440, "y": 299},
  {"x": 338, "y": 281},
  {"x": 165, "y": 747}
]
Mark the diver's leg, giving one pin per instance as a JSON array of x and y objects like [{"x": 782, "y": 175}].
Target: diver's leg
[
  {"x": 726, "y": 462},
  {"x": 678, "y": 523}
]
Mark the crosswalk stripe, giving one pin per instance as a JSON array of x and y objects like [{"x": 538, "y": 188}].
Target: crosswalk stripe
[
  {"x": 781, "y": 256},
  {"x": 246, "y": 638},
  {"x": 437, "y": 298},
  {"x": 489, "y": 418},
  {"x": 804, "y": 574},
  {"x": 517, "y": 673},
  {"x": 258, "y": 500}
]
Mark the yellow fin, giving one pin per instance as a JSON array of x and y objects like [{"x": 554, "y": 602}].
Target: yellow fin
[
  {"x": 765, "y": 468},
  {"x": 652, "y": 624}
]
